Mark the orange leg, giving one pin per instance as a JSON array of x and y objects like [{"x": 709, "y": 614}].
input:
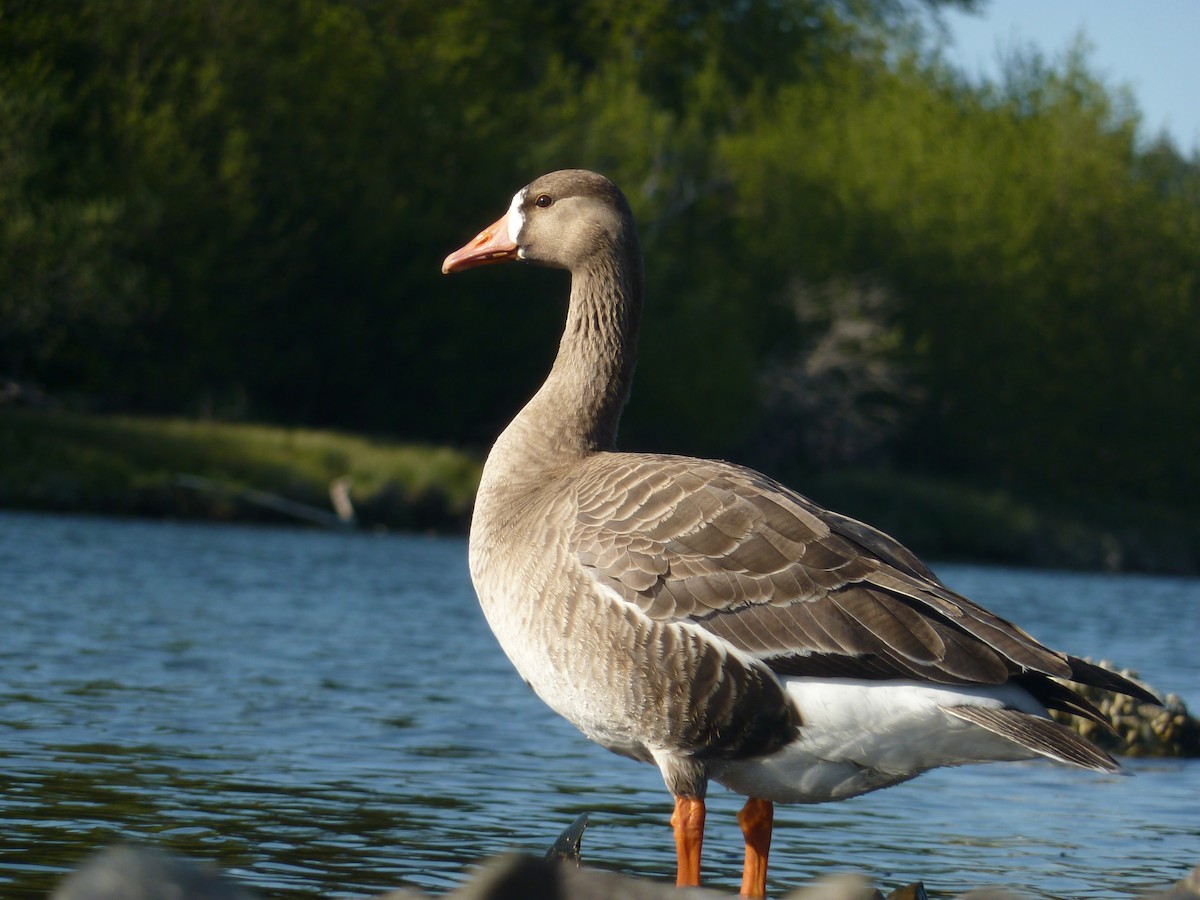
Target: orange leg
[
  {"x": 756, "y": 819},
  {"x": 688, "y": 822}
]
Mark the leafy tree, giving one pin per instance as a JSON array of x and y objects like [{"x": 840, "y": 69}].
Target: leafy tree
[
  {"x": 239, "y": 210},
  {"x": 1035, "y": 261}
]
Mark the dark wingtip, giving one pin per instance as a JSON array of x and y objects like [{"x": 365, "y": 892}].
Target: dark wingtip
[{"x": 1085, "y": 672}]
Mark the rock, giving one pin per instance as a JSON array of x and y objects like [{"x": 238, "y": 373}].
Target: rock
[
  {"x": 914, "y": 891},
  {"x": 1143, "y": 729},
  {"x": 142, "y": 873},
  {"x": 567, "y": 847},
  {"x": 837, "y": 887},
  {"x": 519, "y": 877},
  {"x": 1186, "y": 889}
]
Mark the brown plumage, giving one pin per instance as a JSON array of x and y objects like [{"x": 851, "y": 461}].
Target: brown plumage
[{"x": 701, "y": 616}]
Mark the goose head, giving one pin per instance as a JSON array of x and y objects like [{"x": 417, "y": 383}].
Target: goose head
[{"x": 565, "y": 220}]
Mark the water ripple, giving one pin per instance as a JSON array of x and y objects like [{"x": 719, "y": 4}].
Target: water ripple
[{"x": 328, "y": 714}]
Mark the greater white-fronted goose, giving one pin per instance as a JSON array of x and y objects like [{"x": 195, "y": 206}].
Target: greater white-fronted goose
[{"x": 703, "y": 617}]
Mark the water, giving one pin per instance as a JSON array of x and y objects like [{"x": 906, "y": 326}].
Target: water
[{"x": 327, "y": 714}]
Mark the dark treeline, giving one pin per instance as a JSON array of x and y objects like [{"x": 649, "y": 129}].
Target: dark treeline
[{"x": 854, "y": 256}]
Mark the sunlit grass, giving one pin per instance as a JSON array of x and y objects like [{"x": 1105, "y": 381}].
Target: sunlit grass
[{"x": 121, "y": 464}]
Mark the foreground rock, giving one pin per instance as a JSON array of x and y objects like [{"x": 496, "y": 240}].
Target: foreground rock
[
  {"x": 139, "y": 873},
  {"x": 143, "y": 873}
]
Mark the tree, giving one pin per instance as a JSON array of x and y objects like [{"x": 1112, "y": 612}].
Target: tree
[{"x": 240, "y": 210}]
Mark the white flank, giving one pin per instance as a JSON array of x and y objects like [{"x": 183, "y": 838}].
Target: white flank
[{"x": 858, "y": 736}]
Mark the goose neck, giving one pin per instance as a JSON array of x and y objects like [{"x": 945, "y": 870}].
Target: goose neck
[{"x": 578, "y": 408}]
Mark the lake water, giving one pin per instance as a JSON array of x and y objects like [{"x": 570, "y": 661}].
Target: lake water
[{"x": 328, "y": 714}]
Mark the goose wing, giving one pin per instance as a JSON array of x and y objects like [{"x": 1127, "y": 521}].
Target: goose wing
[{"x": 804, "y": 590}]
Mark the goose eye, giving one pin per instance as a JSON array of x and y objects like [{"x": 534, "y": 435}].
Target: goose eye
[{"x": 543, "y": 200}]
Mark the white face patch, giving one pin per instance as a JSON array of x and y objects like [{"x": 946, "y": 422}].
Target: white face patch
[{"x": 516, "y": 220}]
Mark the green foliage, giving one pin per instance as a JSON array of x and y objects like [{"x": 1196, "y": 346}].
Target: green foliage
[
  {"x": 1051, "y": 294},
  {"x": 943, "y": 518},
  {"x": 239, "y": 210}
]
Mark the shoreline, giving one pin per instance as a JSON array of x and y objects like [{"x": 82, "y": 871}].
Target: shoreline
[
  {"x": 57, "y": 461},
  {"x": 172, "y": 468}
]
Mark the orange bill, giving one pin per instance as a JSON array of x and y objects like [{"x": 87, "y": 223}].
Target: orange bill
[{"x": 492, "y": 245}]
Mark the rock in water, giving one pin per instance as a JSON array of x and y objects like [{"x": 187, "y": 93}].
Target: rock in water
[
  {"x": 141, "y": 873},
  {"x": 566, "y": 848}
]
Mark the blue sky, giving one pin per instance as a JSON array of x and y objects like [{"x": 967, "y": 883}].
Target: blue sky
[{"x": 1151, "y": 47}]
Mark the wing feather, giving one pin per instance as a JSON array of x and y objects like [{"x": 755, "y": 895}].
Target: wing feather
[
  {"x": 1039, "y": 735},
  {"x": 779, "y": 578}
]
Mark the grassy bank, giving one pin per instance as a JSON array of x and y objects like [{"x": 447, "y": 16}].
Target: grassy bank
[{"x": 171, "y": 467}]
